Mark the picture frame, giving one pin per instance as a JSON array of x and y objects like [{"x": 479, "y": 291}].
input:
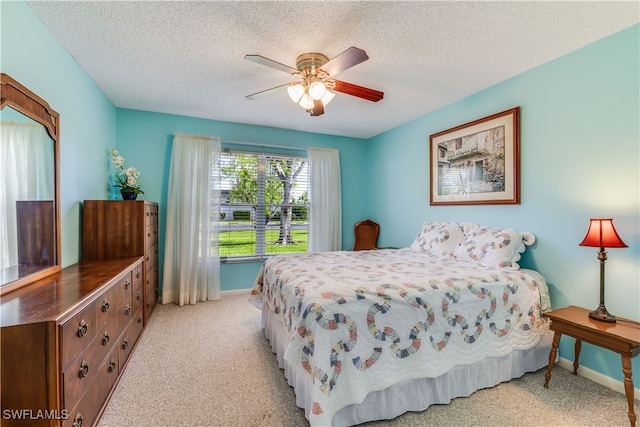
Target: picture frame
[{"x": 477, "y": 163}]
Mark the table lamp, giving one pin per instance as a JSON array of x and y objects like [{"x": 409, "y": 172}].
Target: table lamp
[{"x": 602, "y": 234}]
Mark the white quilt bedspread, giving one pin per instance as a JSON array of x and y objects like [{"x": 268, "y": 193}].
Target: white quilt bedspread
[{"x": 363, "y": 321}]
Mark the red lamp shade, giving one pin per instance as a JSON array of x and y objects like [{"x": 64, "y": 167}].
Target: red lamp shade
[{"x": 602, "y": 234}]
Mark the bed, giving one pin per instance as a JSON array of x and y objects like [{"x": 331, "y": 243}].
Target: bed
[{"x": 369, "y": 335}]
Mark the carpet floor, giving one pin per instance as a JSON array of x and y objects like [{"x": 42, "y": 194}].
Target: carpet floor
[{"x": 210, "y": 365}]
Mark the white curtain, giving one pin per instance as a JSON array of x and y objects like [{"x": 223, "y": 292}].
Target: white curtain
[
  {"x": 26, "y": 171},
  {"x": 325, "y": 216},
  {"x": 191, "y": 261}
]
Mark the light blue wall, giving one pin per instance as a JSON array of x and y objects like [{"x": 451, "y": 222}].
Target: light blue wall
[
  {"x": 144, "y": 140},
  {"x": 580, "y": 156},
  {"x": 31, "y": 55}
]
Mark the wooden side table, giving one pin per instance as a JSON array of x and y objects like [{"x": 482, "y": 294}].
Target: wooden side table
[{"x": 623, "y": 337}]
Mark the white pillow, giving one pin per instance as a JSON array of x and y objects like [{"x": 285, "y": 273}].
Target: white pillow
[
  {"x": 438, "y": 240},
  {"x": 493, "y": 247}
]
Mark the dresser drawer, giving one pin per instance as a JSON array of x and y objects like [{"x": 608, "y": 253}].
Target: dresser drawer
[
  {"x": 78, "y": 376},
  {"x": 106, "y": 305},
  {"x": 151, "y": 300},
  {"x": 150, "y": 235},
  {"x": 150, "y": 257},
  {"x": 77, "y": 333},
  {"x": 85, "y": 411},
  {"x": 107, "y": 337},
  {"x": 87, "y": 408},
  {"x": 107, "y": 375},
  {"x": 151, "y": 214},
  {"x": 138, "y": 320},
  {"x": 138, "y": 275},
  {"x": 138, "y": 296},
  {"x": 125, "y": 314},
  {"x": 125, "y": 285},
  {"x": 151, "y": 283},
  {"x": 151, "y": 292},
  {"x": 129, "y": 337}
]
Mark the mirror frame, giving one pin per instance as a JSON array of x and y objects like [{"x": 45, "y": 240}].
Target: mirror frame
[{"x": 15, "y": 95}]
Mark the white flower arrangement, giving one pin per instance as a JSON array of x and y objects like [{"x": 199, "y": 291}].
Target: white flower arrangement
[{"x": 127, "y": 178}]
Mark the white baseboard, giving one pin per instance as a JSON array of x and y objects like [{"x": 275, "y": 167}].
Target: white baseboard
[
  {"x": 247, "y": 292},
  {"x": 596, "y": 377}
]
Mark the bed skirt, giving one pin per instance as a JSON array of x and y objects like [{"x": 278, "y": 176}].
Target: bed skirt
[{"x": 414, "y": 395}]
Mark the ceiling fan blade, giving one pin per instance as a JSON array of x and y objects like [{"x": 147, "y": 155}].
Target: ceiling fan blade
[
  {"x": 359, "y": 91},
  {"x": 318, "y": 108},
  {"x": 259, "y": 59},
  {"x": 267, "y": 92},
  {"x": 347, "y": 59}
]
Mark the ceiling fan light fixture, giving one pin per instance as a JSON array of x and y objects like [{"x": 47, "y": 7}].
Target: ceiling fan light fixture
[
  {"x": 296, "y": 91},
  {"x": 328, "y": 96},
  {"x": 317, "y": 90},
  {"x": 306, "y": 101},
  {"x": 317, "y": 72}
]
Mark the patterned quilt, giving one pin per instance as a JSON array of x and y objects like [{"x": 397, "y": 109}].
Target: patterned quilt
[{"x": 363, "y": 321}]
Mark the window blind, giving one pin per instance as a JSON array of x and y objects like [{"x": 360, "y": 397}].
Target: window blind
[{"x": 264, "y": 204}]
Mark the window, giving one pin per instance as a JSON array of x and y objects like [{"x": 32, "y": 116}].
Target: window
[{"x": 264, "y": 205}]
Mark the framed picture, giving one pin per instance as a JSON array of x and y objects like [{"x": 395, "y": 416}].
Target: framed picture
[{"x": 477, "y": 163}]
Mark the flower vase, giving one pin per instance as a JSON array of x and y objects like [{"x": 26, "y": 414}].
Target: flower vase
[{"x": 128, "y": 194}]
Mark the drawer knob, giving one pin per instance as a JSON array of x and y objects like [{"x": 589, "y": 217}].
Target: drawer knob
[
  {"x": 139, "y": 296},
  {"x": 105, "y": 305},
  {"x": 138, "y": 274},
  {"x": 84, "y": 369},
  {"x": 127, "y": 310},
  {"x": 105, "y": 338},
  {"x": 77, "y": 421},
  {"x": 140, "y": 319},
  {"x": 82, "y": 329},
  {"x": 112, "y": 365},
  {"x": 125, "y": 344},
  {"x": 127, "y": 285}
]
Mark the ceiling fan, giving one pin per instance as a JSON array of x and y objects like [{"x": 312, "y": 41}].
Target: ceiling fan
[{"x": 316, "y": 72}]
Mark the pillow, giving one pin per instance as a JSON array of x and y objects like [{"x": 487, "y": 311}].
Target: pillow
[
  {"x": 494, "y": 247},
  {"x": 438, "y": 240}
]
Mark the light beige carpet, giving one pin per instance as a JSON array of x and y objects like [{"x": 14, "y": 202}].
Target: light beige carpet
[{"x": 210, "y": 365}]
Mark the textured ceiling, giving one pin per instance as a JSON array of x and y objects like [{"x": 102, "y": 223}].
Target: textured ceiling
[{"x": 187, "y": 57}]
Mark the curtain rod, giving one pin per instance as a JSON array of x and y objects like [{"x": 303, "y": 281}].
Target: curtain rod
[
  {"x": 254, "y": 144},
  {"x": 260, "y": 144},
  {"x": 188, "y": 135}
]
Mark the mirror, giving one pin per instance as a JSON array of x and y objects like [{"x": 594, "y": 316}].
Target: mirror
[{"x": 29, "y": 202}]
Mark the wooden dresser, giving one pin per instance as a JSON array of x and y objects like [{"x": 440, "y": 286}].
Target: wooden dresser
[
  {"x": 123, "y": 228},
  {"x": 65, "y": 341}
]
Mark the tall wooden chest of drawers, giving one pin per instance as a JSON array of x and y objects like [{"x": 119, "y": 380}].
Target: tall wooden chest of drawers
[
  {"x": 123, "y": 228},
  {"x": 65, "y": 341}
]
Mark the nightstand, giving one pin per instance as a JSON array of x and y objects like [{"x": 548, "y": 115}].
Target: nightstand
[{"x": 623, "y": 337}]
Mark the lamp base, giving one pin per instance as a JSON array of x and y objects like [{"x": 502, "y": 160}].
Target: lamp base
[{"x": 602, "y": 315}]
